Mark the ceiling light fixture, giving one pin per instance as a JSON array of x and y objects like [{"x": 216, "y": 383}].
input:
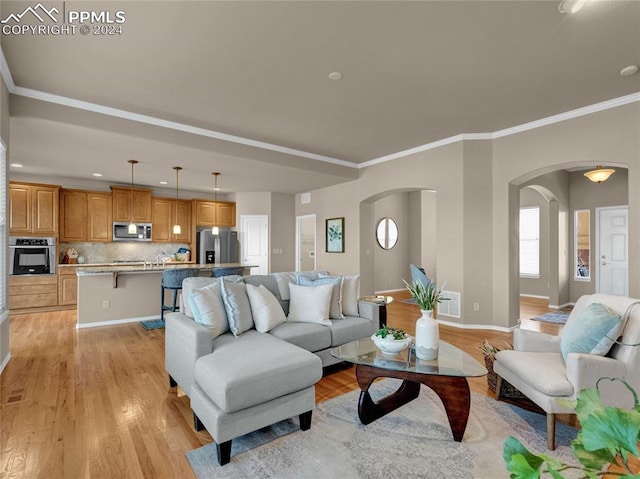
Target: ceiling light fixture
[
  {"x": 16, "y": 165},
  {"x": 176, "y": 227},
  {"x": 336, "y": 76},
  {"x": 133, "y": 229},
  {"x": 215, "y": 230},
  {"x": 571, "y": 6},
  {"x": 97, "y": 175},
  {"x": 600, "y": 174},
  {"x": 164, "y": 182},
  {"x": 629, "y": 70}
]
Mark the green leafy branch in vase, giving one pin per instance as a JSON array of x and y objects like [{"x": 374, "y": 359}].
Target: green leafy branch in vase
[{"x": 608, "y": 435}]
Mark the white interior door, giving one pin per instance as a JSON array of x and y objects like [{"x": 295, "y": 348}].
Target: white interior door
[
  {"x": 613, "y": 250},
  {"x": 306, "y": 243},
  {"x": 254, "y": 235}
]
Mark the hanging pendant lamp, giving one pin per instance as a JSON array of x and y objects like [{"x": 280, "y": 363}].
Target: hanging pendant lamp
[
  {"x": 133, "y": 229},
  {"x": 600, "y": 174},
  {"x": 176, "y": 227},
  {"x": 215, "y": 230}
]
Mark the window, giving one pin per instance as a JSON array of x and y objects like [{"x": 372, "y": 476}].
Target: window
[
  {"x": 530, "y": 242},
  {"x": 582, "y": 244},
  {"x": 3, "y": 230}
]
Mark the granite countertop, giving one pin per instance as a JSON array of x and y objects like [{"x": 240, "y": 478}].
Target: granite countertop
[{"x": 108, "y": 268}]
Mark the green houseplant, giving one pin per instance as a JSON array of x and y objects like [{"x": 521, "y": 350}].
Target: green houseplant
[
  {"x": 427, "y": 296},
  {"x": 608, "y": 436}
]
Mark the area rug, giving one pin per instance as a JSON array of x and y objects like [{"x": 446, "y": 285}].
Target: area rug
[
  {"x": 152, "y": 324},
  {"x": 556, "y": 317},
  {"x": 414, "y": 441}
]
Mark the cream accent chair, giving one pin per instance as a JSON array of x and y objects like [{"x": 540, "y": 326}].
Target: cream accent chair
[{"x": 535, "y": 366}]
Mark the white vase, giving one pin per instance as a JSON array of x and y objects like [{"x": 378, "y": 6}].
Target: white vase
[{"x": 427, "y": 336}]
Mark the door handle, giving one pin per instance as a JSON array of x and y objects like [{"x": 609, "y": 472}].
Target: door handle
[{"x": 604, "y": 263}]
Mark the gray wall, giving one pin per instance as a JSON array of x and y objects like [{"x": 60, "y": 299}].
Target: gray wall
[
  {"x": 283, "y": 232},
  {"x": 585, "y": 195},
  {"x": 608, "y": 137},
  {"x": 391, "y": 266},
  {"x": 280, "y": 210},
  {"x": 477, "y": 184}
]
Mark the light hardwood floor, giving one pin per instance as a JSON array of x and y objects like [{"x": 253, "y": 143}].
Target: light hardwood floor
[{"x": 96, "y": 402}]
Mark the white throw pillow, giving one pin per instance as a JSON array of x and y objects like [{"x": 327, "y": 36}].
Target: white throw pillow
[
  {"x": 310, "y": 304},
  {"x": 350, "y": 294},
  {"x": 265, "y": 308},
  {"x": 208, "y": 309},
  {"x": 335, "y": 310}
]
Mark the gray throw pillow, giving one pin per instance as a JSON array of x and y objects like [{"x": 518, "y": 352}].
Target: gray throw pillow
[{"x": 237, "y": 306}]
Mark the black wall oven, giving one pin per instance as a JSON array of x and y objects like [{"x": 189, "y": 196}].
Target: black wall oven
[{"x": 32, "y": 255}]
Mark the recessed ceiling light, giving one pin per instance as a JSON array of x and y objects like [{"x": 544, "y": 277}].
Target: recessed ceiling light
[
  {"x": 16, "y": 165},
  {"x": 164, "y": 182},
  {"x": 96, "y": 174},
  {"x": 335, "y": 75},
  {"x": 629, "y": 70}
]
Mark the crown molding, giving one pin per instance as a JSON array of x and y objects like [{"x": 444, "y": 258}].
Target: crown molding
[
  {"x": 550, "y": 120},
  {"x": 150, "y": 120},
  {"x": 127, "y": 115},
  {"x": 532, "y": 125}
]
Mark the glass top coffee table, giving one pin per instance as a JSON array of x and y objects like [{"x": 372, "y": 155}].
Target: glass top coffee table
[{"x": 446, "y": 376}]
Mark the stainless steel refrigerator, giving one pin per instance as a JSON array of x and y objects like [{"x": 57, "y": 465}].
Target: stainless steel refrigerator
[{"x": 222, "y": 248}]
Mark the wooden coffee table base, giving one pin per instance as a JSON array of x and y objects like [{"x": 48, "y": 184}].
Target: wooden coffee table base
[{"x": 453, "y": 391}]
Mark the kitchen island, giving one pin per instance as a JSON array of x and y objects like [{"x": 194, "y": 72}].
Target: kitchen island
[{"x": 121, "y": 293}]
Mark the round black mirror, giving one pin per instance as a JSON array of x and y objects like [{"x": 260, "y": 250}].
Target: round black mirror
[{"x": 387, "y": 233}]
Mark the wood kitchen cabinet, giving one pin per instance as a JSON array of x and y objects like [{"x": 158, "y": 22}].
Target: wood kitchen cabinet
[
  {"x": 33, "y": 291},
  {"x": 99, "y": 217},
  {"x": 67, "y": 286},
  {"x": 165, "y": 213},
  {"x": 208, "y": 213},
  {"x": 73, "y": 216},
  {"x": 85, "y": 216},
  {"x": 122, "y": 208},
  {"x": 33, "y": 209}
]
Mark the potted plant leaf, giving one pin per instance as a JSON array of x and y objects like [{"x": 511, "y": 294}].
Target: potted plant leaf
[{"x": 607, "y": 444}]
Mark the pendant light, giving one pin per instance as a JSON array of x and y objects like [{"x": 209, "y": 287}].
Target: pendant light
[
  {"x": 215, "y": 230},
  {"x": 600, "y": 174},
  {"x": 133, "y": 229},
  {"x": 176, "y": 227}
]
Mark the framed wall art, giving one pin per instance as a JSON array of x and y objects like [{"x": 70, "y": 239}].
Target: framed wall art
[{"x": 335, "y": 235}]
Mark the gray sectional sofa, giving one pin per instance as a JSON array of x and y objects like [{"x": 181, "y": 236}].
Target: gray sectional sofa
[{"x": 248, "y": 350}]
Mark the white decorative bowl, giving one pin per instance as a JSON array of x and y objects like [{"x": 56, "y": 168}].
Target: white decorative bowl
[{"x": 390, "y": 345}]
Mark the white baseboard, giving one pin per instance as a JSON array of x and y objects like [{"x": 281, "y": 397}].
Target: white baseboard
[
  {"x": 490, "y": 327},
  {"x": 534, "y": 296},
  {"x": 5, "y": 362},
  {"x": 553, "y": 306},
  {"x": 389, "y": 291},
  {"x": 115, "y": 321}
]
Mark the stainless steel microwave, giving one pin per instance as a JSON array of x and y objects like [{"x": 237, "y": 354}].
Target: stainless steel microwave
[{"x": 121, "y": 232}]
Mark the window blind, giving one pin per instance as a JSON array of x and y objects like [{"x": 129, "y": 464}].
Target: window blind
[
  {"x": 530, "y": 241},
  {"x": 3, "y": 229}
]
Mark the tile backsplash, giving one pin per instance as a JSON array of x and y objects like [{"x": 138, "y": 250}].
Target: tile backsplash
[{"x": 120, "y": 251}]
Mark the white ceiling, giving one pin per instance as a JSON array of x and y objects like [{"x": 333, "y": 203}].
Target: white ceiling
[{"x": 414, "y": 73}]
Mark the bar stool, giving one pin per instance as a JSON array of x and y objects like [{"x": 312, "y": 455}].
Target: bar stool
[
  {"x": 218, "y": 272},
  {"x": 172, "y": 281}
]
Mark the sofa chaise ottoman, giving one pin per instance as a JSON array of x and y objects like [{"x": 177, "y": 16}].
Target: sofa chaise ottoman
[{"x": 248, "y": 350}]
